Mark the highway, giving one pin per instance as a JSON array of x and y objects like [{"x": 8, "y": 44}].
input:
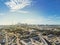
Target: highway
[
  {"x": 17, "y": 39},
  {"x": 42, "y": 39}
]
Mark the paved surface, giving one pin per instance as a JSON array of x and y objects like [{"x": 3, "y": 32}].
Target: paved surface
[
  {"x": 44, "y": 42},
  {"x": 17, "y": 39}
]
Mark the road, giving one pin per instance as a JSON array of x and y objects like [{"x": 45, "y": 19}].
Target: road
[
  {"x": 42, "y": 39},
  {"x": 17, "y": 39},
  {"x": 6, "y": 36}
]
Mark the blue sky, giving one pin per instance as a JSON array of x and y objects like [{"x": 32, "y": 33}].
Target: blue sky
[{"x": 29, "y": 11}]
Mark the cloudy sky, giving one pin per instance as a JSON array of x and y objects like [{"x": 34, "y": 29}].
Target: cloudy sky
[{"x": 29, "y": 11}]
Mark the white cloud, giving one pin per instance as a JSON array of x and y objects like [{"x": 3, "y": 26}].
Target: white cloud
[
  {"x": 23, "y": 12},
  {"x": 33, "y": 21},
  {"x": 1, "y": 14},
  {"x": 29, "y": 21},
  {"x": 15, "y": 5},
  {"x": 54, "y": 17},
  {"x": 20, "y": 11}
]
